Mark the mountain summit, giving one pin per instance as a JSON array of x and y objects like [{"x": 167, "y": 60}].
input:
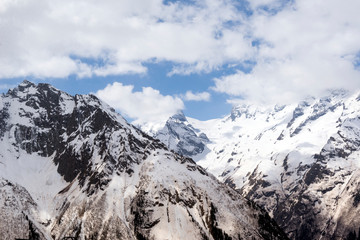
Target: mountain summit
[
  {"x": 70, "y": 166},
  {"x": 179, "y": 135}
]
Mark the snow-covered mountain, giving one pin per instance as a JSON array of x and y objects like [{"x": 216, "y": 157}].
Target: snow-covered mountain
[
  {"x": 179, "y": 135},
  {"x": 72, "y": 167},
  {"x": 300, "y": 162}
]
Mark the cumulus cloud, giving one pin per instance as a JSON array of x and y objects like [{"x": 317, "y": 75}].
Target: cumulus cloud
[
  {"x": 200, "y": 96},
  {"x": 85, "y": 38},
  {"x": 304, "y": 49},
  {"x": 145, "y": 106},
  {"x": 296, "y": 47}
]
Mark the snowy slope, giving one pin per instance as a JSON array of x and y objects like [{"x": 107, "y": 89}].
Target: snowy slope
[
  {"x": 300, "y": 162},
  {"x": 71, "y": 166}
]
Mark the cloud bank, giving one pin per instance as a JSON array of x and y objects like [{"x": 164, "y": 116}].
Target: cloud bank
[
  {"x": 305, "y": 48},
  {"x": 297, "y": 47},
  {"x": 100, "y": 38}
]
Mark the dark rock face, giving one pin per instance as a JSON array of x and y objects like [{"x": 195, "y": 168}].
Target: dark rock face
[
  {"x": 76, "y": 125},
  {"x": 113, "y": 182},
  {"x": 4, "y": 115}
]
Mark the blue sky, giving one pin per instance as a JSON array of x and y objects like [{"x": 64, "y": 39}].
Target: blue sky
[
  {"x": 151, "y": 58},
  {"x": 157, "y": 78}
]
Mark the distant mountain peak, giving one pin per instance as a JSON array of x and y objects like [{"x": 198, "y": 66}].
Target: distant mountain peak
[
  {"x": 179, "y": 116},
  {"x": 25, "y": 83},
  {"x": 179, "y": 135}
]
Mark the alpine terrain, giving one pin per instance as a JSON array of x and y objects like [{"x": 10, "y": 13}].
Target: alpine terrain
[
  {"x": 179, "y": 135},
  {"x": 70, "y": 166},
  {"x": 300, "y": 162}
]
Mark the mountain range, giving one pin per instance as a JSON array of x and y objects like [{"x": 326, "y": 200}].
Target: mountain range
[
  {"x": 299, "y": 161},
  {"x": 73, "y": 168}
]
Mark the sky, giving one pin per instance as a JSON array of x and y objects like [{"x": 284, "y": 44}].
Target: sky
[{"x": 152, "y": 58}]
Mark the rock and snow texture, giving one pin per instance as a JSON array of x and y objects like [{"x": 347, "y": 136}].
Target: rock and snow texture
[
  {"x": 179, "y": 135},
  {"x": 72, "y": 167},
  {"x": 300, "y": 162}
]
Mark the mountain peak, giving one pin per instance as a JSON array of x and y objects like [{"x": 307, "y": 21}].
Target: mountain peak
[
  {"x": 247, "y": 110},
  {"x": 179, "y": 135},
  {"x": 26, "y": 83},
  {"x": 27, "y": 89},
  {"x": 179, "y": 116}
]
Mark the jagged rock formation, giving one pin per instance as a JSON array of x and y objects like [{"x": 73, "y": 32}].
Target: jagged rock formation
[
  {"x": 71, "y": 166},
  {"x": 300, "y": 162},
  {"x": 179, "y": 135}
]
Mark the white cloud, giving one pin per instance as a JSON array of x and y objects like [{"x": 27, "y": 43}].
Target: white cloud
[
  {"x": 299, "y": 47},
  {"x": 119, "y": 68},
  {"x": 146, "y": 106},
  {"x": 200, "y": 96},
  {"x": 269, "y": 4},
  {"x": 305, "y": 49},
  {"x": 51, "y": 38}
]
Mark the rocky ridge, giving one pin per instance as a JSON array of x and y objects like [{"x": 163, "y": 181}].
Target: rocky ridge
[{"x": 70, "y": 166}]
